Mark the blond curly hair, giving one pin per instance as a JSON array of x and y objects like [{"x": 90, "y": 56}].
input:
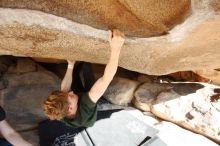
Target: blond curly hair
[{"x": 55, "y": 105}]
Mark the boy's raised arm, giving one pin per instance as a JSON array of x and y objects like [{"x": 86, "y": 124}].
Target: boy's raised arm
[
  {"x": 67, "y": 80},
  {"x": 116, "y": 41}
]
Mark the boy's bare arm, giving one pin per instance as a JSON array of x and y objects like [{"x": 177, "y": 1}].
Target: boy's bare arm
[
  {"x": 116, "y": 40},
  {"x": 11, "y": 135},
  {"x": 67, "y": 80}
]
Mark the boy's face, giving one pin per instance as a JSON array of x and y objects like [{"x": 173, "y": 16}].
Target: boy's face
[{"x": 72, "y": 100}]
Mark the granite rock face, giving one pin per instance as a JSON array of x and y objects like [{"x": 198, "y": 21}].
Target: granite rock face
[
  {"x": 136, "y": 18},
  {"x": 147, "y": 93},
  {"x": 120, "y": 91},
  {"x": 170, "y": 134},
  {"x": 192, "y": 105},
  {"x": 26, "y": 87},
  {"x": 191, "y": 45}
]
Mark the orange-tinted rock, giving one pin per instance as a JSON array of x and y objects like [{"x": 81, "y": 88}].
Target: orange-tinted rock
[
  {"x": 192, "y": 45},
  {"x": 136, "y": 18}
]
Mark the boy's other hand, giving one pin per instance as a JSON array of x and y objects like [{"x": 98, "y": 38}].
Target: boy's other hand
[{"x": 71, "y": 61}]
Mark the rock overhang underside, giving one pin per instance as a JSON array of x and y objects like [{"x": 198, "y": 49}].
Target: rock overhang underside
[{"x": 162, "y": 36}]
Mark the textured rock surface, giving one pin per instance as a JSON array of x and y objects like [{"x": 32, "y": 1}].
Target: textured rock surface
[
  {"x": 193, "y": 45},
  {"x": 25, "y": 65},
  {"x": 198, "y": 111},
  {"x": 120, "y": 91},
  {"x": 136, "y": 18},
  {"x": 213, "y": 75},
  {"x": 194, "y": 106},
  {"x": 147, "y": 93},
  {"x": 145, "y": 78},
  {"x": 25, "y": 92},
  {"x": 171, "y": 134}
]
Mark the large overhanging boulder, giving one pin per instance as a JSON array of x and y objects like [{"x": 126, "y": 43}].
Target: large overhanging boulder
[
  {"x": 136, "y": 18},
  {"x": 192, "y": 45}
]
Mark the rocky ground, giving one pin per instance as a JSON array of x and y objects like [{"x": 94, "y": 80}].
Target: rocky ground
[{"x": 183, "y": 112}]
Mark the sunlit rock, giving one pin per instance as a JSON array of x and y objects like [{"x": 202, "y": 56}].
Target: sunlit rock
[
  {"x": 147, "y": 93},
  {"x": 171, "y": 134},
  {"x": 136, "y": 18},
  {"x": 194, "y": 106},
  {"x": 120, "y": 91},
  {"x": 191, "y": 45}
]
